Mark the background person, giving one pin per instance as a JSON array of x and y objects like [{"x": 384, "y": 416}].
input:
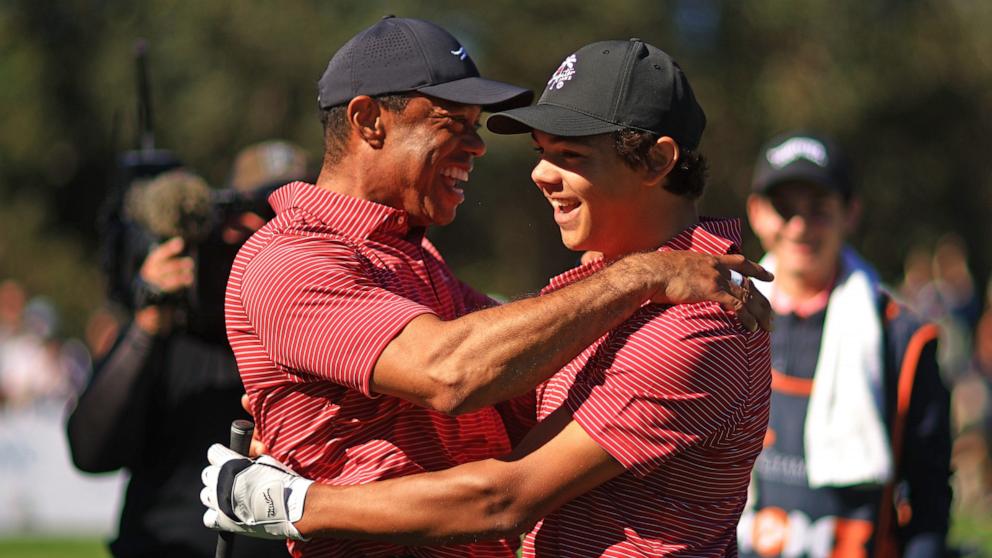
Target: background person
[
  {"x": 169, "y": 387},
  {"x": 647, "y": 437},
  {"x": 856, "y": 457},
  {"x": 972, "y": 412},
  {"x": 35, "y": 365}
]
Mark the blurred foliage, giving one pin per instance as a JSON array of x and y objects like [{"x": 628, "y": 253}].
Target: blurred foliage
[
  {"x": 50, "y": 264},
  {"x": 906, "y": 85}
]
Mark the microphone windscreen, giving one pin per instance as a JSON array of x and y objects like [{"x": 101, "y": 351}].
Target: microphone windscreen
[{"x": 174, "y": 203}]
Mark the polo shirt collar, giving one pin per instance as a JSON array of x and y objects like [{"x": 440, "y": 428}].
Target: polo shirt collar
[
  {"x": 347, "y": 215},
  {"x": 708, "y": 236}
]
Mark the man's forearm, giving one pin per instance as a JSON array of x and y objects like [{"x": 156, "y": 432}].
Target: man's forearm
[
  {"x": 489, "y": 499},
  {"x": 453, "y": 506},
  {"x": 492, "y": 355}
]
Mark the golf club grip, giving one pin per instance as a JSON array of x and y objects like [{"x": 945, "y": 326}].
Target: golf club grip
[{"x": 241, "y": 431}]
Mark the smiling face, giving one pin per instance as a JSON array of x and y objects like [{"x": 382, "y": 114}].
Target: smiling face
[
  {"x": 599, "y": 202},
  {"x": 432, "y": 145},
  {"x": 804, "y": 225}
]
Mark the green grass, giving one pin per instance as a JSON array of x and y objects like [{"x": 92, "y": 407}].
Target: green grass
[
  {"x": 971, "y": 533},
  {"x": 53, "y": 548}
]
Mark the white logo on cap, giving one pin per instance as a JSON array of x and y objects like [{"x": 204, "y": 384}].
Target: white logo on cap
[
  {"x": 460, "y": 53},
  {"x": 563, "y": 73},
  {"x": 798, "y": 148}
]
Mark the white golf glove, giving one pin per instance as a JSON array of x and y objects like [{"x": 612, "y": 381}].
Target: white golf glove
[{"x": 260, "y": 498}]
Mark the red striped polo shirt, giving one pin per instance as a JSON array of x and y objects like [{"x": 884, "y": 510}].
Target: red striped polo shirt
[
  {"x": 313, "y": 299},
  {"x": 679, "y": 396}
]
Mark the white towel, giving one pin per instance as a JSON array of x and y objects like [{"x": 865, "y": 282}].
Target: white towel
[{"x": 845, "y": 437}]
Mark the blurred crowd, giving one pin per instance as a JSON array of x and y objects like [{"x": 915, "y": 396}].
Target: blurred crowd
[
  {"x": 36, "y": 364},
  {"x": 939, "y": 285}
]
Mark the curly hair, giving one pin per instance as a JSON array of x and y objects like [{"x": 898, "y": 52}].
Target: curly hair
[
  {"x": 335, "y": 122},
  {"x": 687, "y": 178}
]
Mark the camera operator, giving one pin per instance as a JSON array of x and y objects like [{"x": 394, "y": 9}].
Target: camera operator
[{"x": 170, "y": 387}]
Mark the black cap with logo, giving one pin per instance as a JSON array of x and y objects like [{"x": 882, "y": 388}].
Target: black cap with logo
[
  {"x": 608, "y": 86},
  {"x": 802, "y": 157},
  {"x": 399, "y": 55}
]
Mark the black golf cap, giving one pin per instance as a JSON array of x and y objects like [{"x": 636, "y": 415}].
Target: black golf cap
[
  {"x": 802, "y": 157},
  {"x": 399, "y": 55},
  {"x": 608, "y": 86}
]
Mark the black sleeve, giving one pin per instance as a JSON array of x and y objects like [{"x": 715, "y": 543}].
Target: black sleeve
[
  {"x": 926, "y": 459},
  {"x": 105, "y": 428}
]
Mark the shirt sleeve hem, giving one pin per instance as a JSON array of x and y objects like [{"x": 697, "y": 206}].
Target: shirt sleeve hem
[{"x": 389, "y": 333}]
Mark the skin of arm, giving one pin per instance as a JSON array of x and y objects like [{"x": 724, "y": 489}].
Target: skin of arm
[
  {"x": 493, "y": 355},
  {"x": 491, "y": 499}
]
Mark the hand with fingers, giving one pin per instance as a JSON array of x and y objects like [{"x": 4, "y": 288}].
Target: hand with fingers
[
  {"x": 166, "y": 268},
  {"x": 695, "y": 277},
  {"x": 164, "y": 273},
  {"x": 259, "y": 498}
]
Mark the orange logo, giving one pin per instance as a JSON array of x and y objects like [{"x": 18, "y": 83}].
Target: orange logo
[
  {"x": 851, "y": 535},
  {"x": 771, "y": 531}
]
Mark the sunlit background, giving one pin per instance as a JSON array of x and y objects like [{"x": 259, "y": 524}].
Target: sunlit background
[{"x": 904, "y": 85}]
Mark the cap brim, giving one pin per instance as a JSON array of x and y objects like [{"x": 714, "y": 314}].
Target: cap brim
[
  {"x": 799, "y": 173},
  {"x": 491, "y": 95},
  {"x": 550, "y": 119}
]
